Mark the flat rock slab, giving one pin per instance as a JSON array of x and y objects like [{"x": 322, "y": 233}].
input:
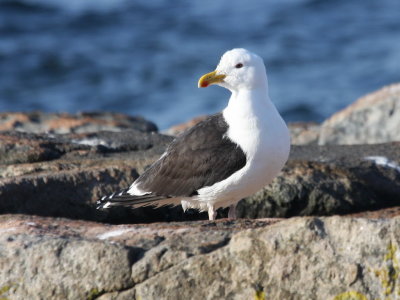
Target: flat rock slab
[
  {"x": 298, "y": 258},
  {"x": 374, "y": 118},
  {"x": 326, "y": 180},
  {"x": 85, "y": 122},
  {"x": 62, "y": 175}
]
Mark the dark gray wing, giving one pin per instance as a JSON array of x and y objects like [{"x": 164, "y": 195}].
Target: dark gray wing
[{"x": 199, "y": 157}]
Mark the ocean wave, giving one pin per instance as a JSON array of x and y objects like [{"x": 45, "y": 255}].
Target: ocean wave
[{"x": 71, "y": 6}]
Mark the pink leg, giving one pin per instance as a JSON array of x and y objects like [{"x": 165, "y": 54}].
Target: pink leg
[{"x": 212, "y": 213}]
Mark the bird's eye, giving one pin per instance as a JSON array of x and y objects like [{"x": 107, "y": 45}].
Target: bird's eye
[{"x": 239, "y": 65}]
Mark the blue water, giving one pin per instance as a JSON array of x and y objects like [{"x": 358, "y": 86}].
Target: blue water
[{"x": 145, "y": 57}]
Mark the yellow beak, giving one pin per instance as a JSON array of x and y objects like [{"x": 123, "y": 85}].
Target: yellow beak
[{"x": 210, "y": 78}]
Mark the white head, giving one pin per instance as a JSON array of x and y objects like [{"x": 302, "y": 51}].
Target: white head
[{"x": 238, "y": 69}]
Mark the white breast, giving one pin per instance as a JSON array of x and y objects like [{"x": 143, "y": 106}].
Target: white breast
[{"x": 256, "y": 126}]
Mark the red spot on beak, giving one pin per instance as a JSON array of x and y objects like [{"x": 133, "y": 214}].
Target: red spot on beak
[{"x": 204, "y": 84}]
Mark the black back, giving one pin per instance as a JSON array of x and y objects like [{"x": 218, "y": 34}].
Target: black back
[{"x": 199, "y": 157}]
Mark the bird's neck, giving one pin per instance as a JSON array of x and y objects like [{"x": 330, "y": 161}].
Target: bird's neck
[
  {"x": 248, "y": 103},
  {"x": 250, "y": 114}
]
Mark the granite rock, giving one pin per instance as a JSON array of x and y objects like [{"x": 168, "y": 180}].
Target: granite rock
[
  {"x": 374, "y": 118},
  {"x": 304, "y": 133},
  {"x": 63, "y": 175},
  {"x": 180, "y": 128},
  {"x": 326, "y": 180},
  {"x": 84, "y": 122},
  {"x": 298, "y": 258},
  {"x": 301, "y": 258},
  {"x": 37, "y": 262}
]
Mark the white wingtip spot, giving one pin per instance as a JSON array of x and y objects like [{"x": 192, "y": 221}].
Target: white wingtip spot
[
  {"x": 185, "y": 205},
  {"x": 107, "y": 205},
  {"x": 135, "y": 191}
]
